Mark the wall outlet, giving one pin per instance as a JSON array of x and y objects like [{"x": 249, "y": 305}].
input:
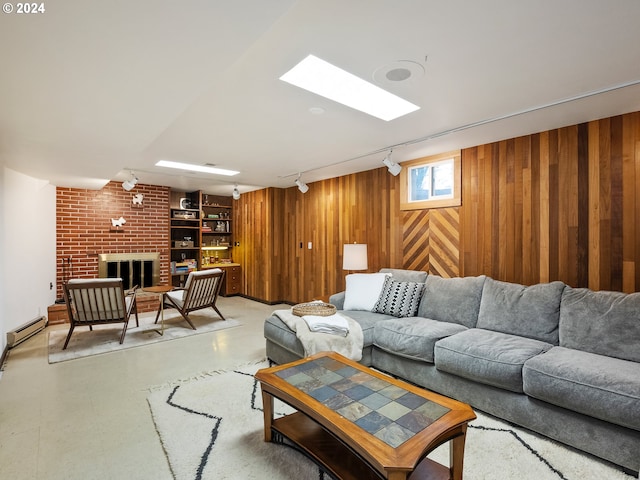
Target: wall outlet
[{"x": 309, "y": 245}]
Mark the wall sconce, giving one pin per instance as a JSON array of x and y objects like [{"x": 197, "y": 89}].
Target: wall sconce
[
  {"x": 303, "y": 187},
  {"x": 129, "y": 184},
  {"x": 394, "y": 168},
  {"x": 236, "y": 193},
  {"x": 354, "y": 256}
]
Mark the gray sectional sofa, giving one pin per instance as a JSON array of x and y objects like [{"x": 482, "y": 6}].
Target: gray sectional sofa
[{"x": 561, "y": 361}]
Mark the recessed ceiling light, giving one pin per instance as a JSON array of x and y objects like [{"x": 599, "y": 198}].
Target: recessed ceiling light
[
  {"x": 196, "y": 168},
  {"x": 322, "y": 78}
]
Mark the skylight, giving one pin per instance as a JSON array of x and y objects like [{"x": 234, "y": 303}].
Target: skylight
[
  {"x": 322, "y": 78},
  {"x": 196, "y": 168}
]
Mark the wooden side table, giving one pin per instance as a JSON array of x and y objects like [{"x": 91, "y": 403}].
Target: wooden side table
[{"x": 160, "y": 290}]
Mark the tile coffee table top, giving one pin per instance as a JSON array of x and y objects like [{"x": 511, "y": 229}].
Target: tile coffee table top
[{"x": 390, "y": 413}]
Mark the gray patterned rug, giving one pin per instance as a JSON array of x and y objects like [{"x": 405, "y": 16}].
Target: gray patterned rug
[
  {"x": 211, "y": 427},
  {"x": 106, "y": 338}
]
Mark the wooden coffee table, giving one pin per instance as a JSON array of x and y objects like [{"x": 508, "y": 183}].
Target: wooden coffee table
[{"x": 359, "y": 424}]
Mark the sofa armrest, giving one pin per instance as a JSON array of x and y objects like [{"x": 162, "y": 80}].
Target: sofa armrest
[{"x": 337, "y": 299}]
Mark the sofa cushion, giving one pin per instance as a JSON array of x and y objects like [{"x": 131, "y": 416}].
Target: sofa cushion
[
  {"x": 406, "y": 275},
  {"x": 363, "y": 290},
  {"x": 455, "y": 300},
  {"x": 337, "y": 299},
  {"x": 368, "y": 321},
  {"x": 599, "y": 386},
  {"x": 413, "y": 337},
  {"x": 531, "y": 312},
  {"x": 492, "y": 358},
  {"x": 606, "y": 323},
  {"x": 400, "y": 299},
  {"x": 278, "y": 332}
]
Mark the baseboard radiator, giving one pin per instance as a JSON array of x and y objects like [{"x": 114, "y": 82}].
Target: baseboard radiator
[{"x": 25, "y": 331}]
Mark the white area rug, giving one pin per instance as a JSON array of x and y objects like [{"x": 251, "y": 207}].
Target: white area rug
[
  {"x": 106, "y": 338},
  {"x": 211, "y": 427}
]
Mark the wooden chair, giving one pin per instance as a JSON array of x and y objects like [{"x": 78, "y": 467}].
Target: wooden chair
[
  {"x": 200, "y": 291},
  {"x": 98, "y": 301}
]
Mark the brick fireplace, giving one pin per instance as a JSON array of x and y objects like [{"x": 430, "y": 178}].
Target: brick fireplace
[
  {"x": 84, "y": 230},
  {"x": 135, "y": 269}
]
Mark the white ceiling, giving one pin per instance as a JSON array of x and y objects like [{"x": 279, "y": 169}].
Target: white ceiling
[{"x": 90, "y": 90}]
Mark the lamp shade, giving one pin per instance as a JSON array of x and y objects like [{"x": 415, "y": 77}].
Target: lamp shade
[{"x": 354, "y": 256}]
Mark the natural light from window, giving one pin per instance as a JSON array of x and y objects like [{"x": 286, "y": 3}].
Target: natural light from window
[
  {"x": 322, "y": 78},
  {"x": 196, "y": 168}
]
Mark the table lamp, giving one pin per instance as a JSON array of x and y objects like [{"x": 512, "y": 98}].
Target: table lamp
[{"x": 354, "y": 256}]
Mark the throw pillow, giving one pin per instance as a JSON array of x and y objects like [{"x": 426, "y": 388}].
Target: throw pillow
[
  {"x": 363, "y": 290},
  {"x": 400, "y": 299}
]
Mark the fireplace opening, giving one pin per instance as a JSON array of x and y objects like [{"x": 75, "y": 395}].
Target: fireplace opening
[{"x": 141, "y": 269}]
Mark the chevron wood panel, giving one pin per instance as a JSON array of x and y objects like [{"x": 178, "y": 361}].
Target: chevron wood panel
[
  {"x": 415, "y": 239},
  {"x": 430, "y": 240},
  {"x": 444, "y": 244}
]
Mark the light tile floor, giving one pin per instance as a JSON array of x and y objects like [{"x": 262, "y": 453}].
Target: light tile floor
[{"x": 89, "y": 419}]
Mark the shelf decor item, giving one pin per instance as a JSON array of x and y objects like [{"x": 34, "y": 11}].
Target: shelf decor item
[{"x": 183, "y": 214}]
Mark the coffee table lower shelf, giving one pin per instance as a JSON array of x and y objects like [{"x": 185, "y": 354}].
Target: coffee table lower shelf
[{"x": 337, "y": 459}]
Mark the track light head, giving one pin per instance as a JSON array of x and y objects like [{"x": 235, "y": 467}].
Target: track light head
[
  {"x": 303, "y": 187},
  {"x": 394, "y": 168},
  {"x": 236, "y": 193},
  {"x": 129, "y": 184}
]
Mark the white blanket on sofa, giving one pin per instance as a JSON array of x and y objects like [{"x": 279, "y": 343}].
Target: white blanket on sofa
[{"x": 314, "y": 342}]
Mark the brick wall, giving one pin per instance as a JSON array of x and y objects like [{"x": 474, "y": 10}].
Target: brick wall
[{"x": 84, "y": 230}]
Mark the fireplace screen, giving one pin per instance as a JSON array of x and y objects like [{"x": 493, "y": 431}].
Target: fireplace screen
[{"x": 141, "y": 269}]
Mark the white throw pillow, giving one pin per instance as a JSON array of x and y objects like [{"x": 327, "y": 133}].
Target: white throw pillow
[{"x": 363, "y": 290}]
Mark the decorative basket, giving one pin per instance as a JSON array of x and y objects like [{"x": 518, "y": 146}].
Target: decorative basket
[{"x": 314, "y": 308}]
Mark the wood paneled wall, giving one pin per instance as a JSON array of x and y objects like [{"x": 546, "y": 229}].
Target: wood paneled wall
[
  {"x": 558, "y": 205},
  {"x": 277, "y": 225}
]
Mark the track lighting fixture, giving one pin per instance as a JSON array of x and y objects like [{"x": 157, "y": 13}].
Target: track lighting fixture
[
  {"x": 129, "y": 184},
  {"x": 303, "y": 187},
  {"x": 394, "y": 168},
  {"x": 236, "y": 193}
]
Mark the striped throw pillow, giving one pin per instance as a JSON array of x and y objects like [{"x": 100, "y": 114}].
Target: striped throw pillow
[{"x": 400, "y": 299}]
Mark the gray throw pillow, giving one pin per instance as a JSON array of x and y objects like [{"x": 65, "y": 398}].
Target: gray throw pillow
[{"x": 400, "y": 299}]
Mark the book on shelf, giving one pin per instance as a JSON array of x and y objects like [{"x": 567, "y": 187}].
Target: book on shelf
[{"x": 189, "y": 265}]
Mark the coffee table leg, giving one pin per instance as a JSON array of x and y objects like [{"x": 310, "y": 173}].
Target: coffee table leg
[
  {"x": 456, "y": 455},
  {"x": 267, "y": 407},
  {"x": 397, "y": 475}
]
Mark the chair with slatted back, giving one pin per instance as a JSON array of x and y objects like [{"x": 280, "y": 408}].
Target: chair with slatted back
[
  {"x": 98, "y": 301},
  {"x": 200, "y": 291}
]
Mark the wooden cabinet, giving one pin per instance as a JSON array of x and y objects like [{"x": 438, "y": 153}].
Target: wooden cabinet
[
  {"x": 232, "y": 284},
  {"x": 232, "y": 280},
  {"x": 201, "y": 237},
  {"x": 184, "y": 235},
  {"x": 217, "y": 229}
]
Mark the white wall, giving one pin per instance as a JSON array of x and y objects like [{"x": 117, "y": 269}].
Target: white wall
[
  {"x": 27, "y": 248},
  {"x": 3, "y": 336}
]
